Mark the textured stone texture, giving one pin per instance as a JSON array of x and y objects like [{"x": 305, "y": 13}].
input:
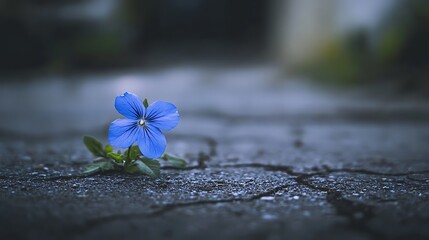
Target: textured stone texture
[{"x": 268, "y": 159}]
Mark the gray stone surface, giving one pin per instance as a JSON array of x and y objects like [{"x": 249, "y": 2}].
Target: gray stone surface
[{"x": 267, "y": 159}]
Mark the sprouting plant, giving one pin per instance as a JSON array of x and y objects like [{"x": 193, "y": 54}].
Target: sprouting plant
[{"x": 143, "y": 124}]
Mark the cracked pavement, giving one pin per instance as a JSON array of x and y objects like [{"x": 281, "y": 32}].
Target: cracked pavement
[{"x": 267, "y": 159}]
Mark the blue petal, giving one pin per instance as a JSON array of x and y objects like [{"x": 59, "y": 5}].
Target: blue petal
[
  {"x": 129, "y": 105},
  {"x": 162, "y": 115},
  {"x": 152, "y": 142},
  {"x": 123, "y": 132}
]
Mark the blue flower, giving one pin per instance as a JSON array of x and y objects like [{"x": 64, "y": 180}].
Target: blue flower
[{"x": 142, "y": 124}]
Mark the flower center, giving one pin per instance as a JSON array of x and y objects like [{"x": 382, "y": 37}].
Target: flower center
[{"x": 142, "y": 122}]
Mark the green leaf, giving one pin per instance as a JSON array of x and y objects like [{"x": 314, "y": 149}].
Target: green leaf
[
  {"x": 146, "y": 166},
  {"x": 152, "y": 164},
  {"x": 118, "y": 158},
  {"x": 135, "y": 151},
  {"x": 145, "y": 103},
  {"x": 94, "y": 146},
  {"x": 97, "y": 167},
  {"x": 174, "y": 160},
  {"x": 108, "y": 149}
]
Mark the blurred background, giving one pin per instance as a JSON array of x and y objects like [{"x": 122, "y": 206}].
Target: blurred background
[{"x": 63, "y": 62}]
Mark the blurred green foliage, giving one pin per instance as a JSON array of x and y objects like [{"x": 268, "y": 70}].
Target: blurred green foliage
[
  {"x": 398, "y": 51},
  {"x": 341, "y": 62}
]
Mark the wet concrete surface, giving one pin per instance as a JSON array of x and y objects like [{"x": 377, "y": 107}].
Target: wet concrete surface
[{"x": 267, "y": 159}]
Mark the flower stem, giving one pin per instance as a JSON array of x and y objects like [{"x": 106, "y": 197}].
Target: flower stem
[
  {"x": 128, "y": 160},
  {"x": 128, "y": 155}
]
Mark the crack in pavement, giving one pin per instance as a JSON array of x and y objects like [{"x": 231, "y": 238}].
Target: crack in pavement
[
  {"x": 289, "y": 170},
  {"x": 201, "y": 165},
  {"x": 357, "y": 213},
  {"x": 92, "y": 223}
]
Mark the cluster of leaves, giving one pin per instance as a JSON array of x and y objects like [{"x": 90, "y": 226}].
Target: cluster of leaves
[{"x": 131, "y": 161}]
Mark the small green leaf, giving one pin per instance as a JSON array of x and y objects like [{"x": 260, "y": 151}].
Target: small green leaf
[
  {"x": 146, "y": 166},
  {"x": 145, "y": 103},
  {"x": 118, "y": 158},
  {"x": 94, "y": 146},
  {"x": 152, "y": 164},
  {"x": 97, "y": 167},
  {"x": 174, "y": 160},
  {"x": 135, "y": 151},
  {"x": 108, "y": 149},
  {"x": 91, "y": 168},
  {"x": 107, "y": 166}
]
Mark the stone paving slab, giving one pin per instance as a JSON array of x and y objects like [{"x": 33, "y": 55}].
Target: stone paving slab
[
  {"x": 335, "y": 169},
  {"x": 212, "y": 198}
]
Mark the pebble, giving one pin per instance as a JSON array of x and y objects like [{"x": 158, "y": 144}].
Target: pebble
[
  {"x": 267, "y": 198},
  {"x": 25, "y": 158},
  {"x": 268, "y": 217}
]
